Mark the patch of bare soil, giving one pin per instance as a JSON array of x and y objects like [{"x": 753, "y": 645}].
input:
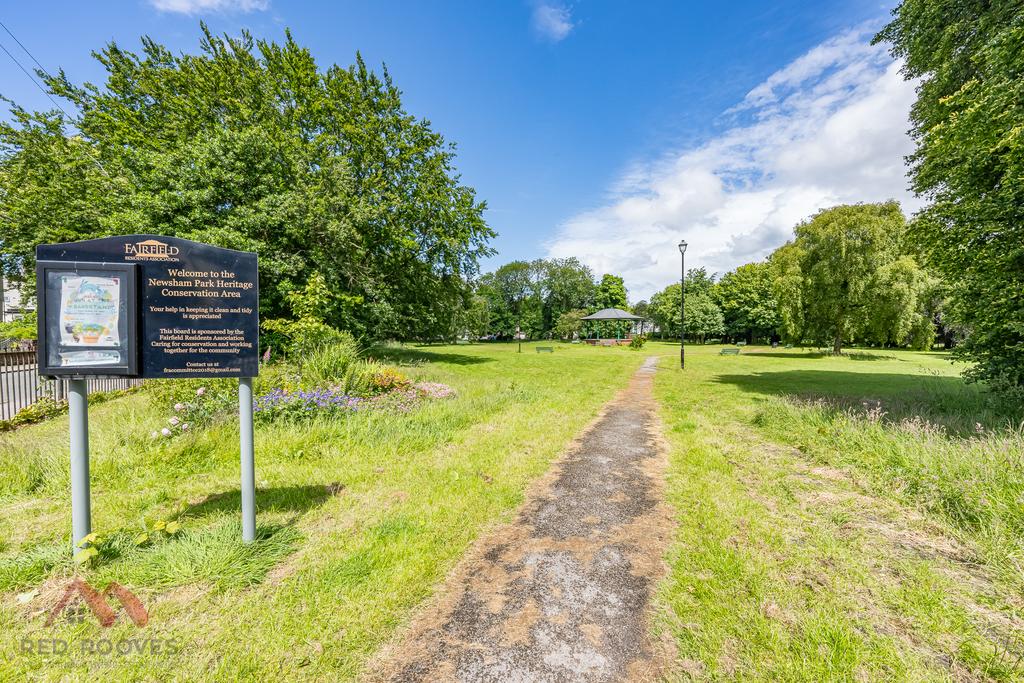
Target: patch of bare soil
[{"x": 562, "y": 593}]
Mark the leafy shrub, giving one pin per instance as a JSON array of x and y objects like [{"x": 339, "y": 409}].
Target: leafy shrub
[
  {"x": 302, "y": 337},
  {"x": 638, "y": 341},
  {"x": 382, "y": 379},
  {"x": 22, "y": 328},
  {"x": 37, "y": 412},
  {"x": 334, "y": 364},
  {"x": 307, "y": 331}
]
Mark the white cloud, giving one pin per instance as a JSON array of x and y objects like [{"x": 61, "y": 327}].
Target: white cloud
[
  {"x": 828, "y": 128},
  {"x": 207, "y": 6},
  {"x": 551, "y": 21}
]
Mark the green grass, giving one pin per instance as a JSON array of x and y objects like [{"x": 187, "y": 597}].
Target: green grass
[
  {"x": 360, "y": 518},
  {"x": 841, "y": 518},
  {"x": 838, "y": 518}
]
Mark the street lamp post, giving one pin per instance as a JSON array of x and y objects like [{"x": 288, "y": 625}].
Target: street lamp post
[{"x": 682, "y": 306}]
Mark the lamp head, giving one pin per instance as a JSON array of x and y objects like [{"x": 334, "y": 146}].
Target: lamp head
[{"x": 682, "y": 246}]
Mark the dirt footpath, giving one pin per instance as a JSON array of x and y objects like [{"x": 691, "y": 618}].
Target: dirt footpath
[{"x": 563, "y": 593}]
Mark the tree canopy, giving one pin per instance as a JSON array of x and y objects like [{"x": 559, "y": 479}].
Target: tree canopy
[
  {"x": 703, "y": 315},
  {"x": 968, "y": 125},
  {"x": 533, "y": 295},
  {"x": 855, "y": 279},
  {"x": 249, "y": 145},
  {"x": 750, "y": 309},
  {"x": 611, "y": 293}
]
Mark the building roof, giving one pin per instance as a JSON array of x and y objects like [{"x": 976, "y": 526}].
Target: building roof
[{"x": 611, "y": 314}]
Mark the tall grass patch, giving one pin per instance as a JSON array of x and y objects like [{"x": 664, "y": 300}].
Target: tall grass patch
[{"x": 975, "y": 482}]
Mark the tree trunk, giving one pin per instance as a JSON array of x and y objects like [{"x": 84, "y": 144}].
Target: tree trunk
[{"x": 837, "y": 345}]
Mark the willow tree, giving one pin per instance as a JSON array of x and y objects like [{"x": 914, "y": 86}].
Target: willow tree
[
  {"x": 250, "y": 145},
  {"x": 846, "y": 276}
]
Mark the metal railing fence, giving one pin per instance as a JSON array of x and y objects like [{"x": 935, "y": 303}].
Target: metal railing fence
[{"x": 21, "y": 386}]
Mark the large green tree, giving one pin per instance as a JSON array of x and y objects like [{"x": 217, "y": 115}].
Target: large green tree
[
  {"x": 568, "y": 286},
  {"x": 533, "y": 295},
  {"x": 968, "y": 124},
  {"x": 703, "y": 316},
  {"x": 788, "y": 290},
  {"x": 855, "y": 280},
  {"x": 663, "y": 309},
  {"x": 748, "y": 301},
  {"x": 611, "y": 293},
  {"x": 514, "y": 301},
  {"x": 249, "y": 145}
]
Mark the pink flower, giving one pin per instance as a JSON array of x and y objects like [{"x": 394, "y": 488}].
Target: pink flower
[
  {"x": 184, "y": 427},
  {"x": 165, "y": 431},
  {"x": 200, "y": 391},
  {"x": 178, "y": 407},
  {"x": 154, "y": 435},
  {"x": 174, "y": 421}
]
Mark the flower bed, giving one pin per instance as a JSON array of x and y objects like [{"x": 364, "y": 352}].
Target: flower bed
[{"x": 281, "y": 403}]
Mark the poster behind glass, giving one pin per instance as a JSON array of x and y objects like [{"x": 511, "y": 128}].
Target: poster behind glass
[{"x": 86, "y": 319}]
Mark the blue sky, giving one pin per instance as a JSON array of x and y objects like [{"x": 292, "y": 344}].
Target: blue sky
[{"x": 606, "y": 130}]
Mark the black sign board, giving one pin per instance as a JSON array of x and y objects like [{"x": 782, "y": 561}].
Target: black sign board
[{"x": 147, "y": 306}]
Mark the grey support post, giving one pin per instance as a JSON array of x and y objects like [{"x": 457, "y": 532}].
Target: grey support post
[
  {"x": 248, "y": 459},
  {"x": 78, "y": 411}
]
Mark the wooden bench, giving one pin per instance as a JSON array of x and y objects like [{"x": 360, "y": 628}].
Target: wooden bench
[
  {"x": 545, "y": 349},
  {"x": 729, "y": 351}
]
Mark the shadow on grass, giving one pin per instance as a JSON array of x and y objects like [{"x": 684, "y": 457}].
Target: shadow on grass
[
  {"x": 945, "y": 401},
  {"x": 812, "y": 355},
  {"x": 804, "y": 355},
  {"x": 278, "y": 499},
  {"x": 405, "y": 355}
]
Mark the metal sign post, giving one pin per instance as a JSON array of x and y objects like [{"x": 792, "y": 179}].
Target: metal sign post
[
  {"x": 78, "y": 411},
  {"x": 152, "y": 307},
  {"x": 245, "y": 430}
]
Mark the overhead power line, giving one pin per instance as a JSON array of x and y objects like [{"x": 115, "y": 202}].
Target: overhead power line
[
  {"x": 41, "y": 67},
  {"x": 27, "y": 72},
  {"x": 39, "y": 85}
]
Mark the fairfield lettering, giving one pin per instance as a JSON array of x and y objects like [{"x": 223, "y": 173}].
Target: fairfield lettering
[{"x": 151, "y": 249}]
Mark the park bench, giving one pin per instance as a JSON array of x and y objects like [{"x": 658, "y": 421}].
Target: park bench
[
  {"x": 741, "y": 343},
  {"x": 729, "y": 351},
  {"x": 545, "y": 349}
]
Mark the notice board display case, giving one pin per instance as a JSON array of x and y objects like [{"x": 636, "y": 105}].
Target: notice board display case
[{"x": 87, "y": 318}]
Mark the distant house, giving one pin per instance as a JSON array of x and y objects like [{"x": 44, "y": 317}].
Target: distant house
[{"x": 13, "y": 306}]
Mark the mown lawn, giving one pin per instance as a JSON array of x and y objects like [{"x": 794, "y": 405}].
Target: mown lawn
[
  {"x": 359, "y": 518},
  {"x": 851, "y": 518}
]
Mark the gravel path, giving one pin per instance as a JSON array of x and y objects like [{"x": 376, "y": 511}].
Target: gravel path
[{"x": 563, "y": 593}]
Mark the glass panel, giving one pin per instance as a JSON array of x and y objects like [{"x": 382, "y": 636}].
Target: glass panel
[{"x": 87, "y": 319}]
